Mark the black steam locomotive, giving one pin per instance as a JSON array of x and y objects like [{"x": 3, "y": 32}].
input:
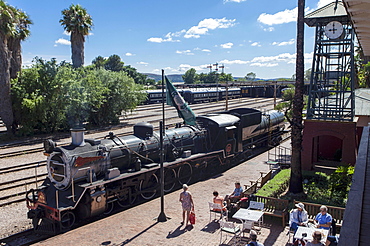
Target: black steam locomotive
[{"x": 89, "y": 176}]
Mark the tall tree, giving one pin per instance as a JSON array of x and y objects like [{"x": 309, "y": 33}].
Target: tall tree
[
  {"x": 14, "y": 42},
  {"x": 8, "y": 22},
  {"x": 78, "y": 22},
  {"x": 99, "y": 62},
  {"x": 190, "y": 76},
  {"x": 295, "y": 185},
  {"x": 250, "y": 76}
]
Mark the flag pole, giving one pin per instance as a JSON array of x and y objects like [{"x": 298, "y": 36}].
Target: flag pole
[{"x": 162, "y": 216}]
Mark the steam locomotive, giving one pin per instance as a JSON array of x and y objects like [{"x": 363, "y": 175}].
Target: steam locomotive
[{"x": 89, "y": 176}]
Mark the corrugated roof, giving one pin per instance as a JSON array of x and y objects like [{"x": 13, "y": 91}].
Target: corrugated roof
[
  {"x": 362, "y": 102},
  {"x": 327, "y": 14},
  {"x": 359, "y": 11}
]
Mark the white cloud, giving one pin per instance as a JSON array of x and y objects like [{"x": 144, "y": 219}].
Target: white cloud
[
  {"x": 142, "y": 63},
  {"x": 129, "y": 54},
  {"x": 269, "y": 29},
  {"x": 258, "y": 64},
  {"x": 208, "y": 24},
  {"x": 256, "y": 44},
  {"x": 235, "y": 1},
  {"x": 206, "y": 50},
  {"x": 234, "y": 62},
  {"x": 168, "y": 37},
  {"x": 290, "y": 42},
  {"x": 284, "y": 57},
  {"x": 286, "y": 16},
  {"x": 185, "y": 52},
  {"x": 227, "y": 45},
  {"x": 322, "y": 3},
  {"x": 62, "y": 41},
  {"x": 66, "y": 33}
]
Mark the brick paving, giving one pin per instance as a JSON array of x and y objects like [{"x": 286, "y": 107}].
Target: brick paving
[{"x": 138, "y": 226}]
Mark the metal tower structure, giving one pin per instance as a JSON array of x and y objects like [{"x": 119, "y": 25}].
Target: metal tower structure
[{"x": 331, "y": 92}]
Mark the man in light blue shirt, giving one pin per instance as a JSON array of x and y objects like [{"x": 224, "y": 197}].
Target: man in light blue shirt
[
  {"x": 236, "y": 195},
  {"x": 323, "y": 220}
]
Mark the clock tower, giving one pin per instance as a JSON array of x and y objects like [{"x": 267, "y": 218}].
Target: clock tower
[{"x": 329, "y": 131}]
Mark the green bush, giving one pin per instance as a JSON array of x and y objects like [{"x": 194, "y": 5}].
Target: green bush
[
  {"x": 276, "y": 186},
  {"x": 49, "y": 97}
]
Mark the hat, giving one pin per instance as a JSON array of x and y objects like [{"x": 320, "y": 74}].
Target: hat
[
  {"x": 253, "y": 232},
  {"x": 300, "y": 205},
  {"x": 185, "y": 186}
]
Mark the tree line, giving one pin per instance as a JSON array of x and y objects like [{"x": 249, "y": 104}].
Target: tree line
[{"x": 49, "y": 96}]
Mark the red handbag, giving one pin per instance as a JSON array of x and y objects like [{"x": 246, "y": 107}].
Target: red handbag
[{"x": 192, "y": 217}]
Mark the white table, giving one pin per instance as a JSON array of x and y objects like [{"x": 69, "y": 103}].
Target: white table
[
  {"x": 244, "y": 214},
  {"x": 309, "y": 231}
]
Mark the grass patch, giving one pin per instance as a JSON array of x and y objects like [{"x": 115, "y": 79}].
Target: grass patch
[
  {"x": 276, "y": 186},
  {"x": 319, "y": 187}
]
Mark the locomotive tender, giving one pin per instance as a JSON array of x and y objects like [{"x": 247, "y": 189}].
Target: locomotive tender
[{"x": 87, "y": 177}]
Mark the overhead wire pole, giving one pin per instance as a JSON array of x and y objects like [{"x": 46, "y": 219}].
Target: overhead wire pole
[{"x": 162, "y": 216}]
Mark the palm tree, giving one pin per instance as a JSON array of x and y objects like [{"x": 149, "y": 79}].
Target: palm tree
[
  {"x": 8, "y": 22},
  {"x": 78, "y": 22},
  {"x": 295, "y": 185},
  {"x": 14, "y": 43}
]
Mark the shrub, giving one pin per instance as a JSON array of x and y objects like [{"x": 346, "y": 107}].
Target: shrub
[
  {"x": 277, "y": 185},
  {"x": 49, "y": 97}
]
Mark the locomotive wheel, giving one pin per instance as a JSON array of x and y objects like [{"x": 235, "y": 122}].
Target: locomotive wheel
[
  {"x": 184, "y": 173},
  {"x": 109, "y": 208},
  {"x": 169, "y": 179},
  {"x": 67, "y": 220},
  {"x": 127, "y": 197},
  {"x": 148, "y": 187}
]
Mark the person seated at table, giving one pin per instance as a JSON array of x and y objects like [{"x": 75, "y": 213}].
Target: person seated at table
[
  {"x": 253, "y": 237},
  {"x": 236, "y": 195},
  {"x": 323, "y": 219},
  {"x": 298, "y": 217},
  {"x": 317, "y": 236},
  {"x": 332, "y": 240},
  {"x": 218, "y": 200}
]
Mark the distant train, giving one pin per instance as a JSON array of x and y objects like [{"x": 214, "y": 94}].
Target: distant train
[
  {"x": 89, "y": 176},
  {"x": 201, "y": 95}
]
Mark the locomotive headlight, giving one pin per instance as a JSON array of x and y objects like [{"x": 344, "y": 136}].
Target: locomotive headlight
[{"x": 98, "y": 199}]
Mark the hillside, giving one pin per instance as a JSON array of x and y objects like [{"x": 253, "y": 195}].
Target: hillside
[{"x": 171, "y": 77}]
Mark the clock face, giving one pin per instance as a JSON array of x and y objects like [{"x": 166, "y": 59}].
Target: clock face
[{"x": 333, "y": 30}]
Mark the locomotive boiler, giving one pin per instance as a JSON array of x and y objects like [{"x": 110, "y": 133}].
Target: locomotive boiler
[{"x": 89, "y": 176}]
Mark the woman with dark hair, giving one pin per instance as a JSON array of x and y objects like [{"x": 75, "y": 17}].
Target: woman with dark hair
[{"x": 219, "y": 200}]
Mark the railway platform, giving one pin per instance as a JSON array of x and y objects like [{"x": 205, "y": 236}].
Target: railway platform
[{"x": 138, "y": 225}]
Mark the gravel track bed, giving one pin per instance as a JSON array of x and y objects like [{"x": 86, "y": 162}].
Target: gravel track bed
[{"x": 13, "y": 218}]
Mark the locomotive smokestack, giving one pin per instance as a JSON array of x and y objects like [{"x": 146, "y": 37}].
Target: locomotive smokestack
[{"x": 77, "y": 135}]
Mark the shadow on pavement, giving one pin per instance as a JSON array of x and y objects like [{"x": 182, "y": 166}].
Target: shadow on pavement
[
  {"x": 177, "y": 232},
  {"x": 137, "y": 235},
  {"x": 211, "y": 227}
]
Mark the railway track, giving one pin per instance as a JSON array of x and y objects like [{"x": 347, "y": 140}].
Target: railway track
[
  {"x": 28, "y": 236},
  {"x": 30, "y": 181},
  {"x": 156, "y": 108}
]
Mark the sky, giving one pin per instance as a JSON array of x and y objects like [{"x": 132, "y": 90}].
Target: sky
[{"x": 176, "y": 35}]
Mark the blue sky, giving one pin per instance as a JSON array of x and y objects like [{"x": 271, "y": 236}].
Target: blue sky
[{"x": 245, "y": 35}]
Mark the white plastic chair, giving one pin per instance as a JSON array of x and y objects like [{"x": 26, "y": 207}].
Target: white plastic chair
[
  {"x": 231, "y": 228},
  {"x": 216, "y": 208},
  {"x": 247, "y": 226},
  {"x": 257, "y": 206}
]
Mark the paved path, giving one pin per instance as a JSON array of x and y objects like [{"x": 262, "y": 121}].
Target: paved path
[{"x": 137, "y": 226}]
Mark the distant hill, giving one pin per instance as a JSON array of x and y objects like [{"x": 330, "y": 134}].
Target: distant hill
[
  {"x": 178, "y": 77},
  {"x": 171, "y": 77}
]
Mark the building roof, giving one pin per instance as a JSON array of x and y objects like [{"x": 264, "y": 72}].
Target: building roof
[
  {"x": 362, "y": 102},
  {"x": 359, "y": 11},
  {"x": 326, "y": 14},
  {"x": 356, "y": 221}
]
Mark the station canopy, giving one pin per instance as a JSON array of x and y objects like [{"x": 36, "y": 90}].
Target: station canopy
[{"x": 359, "y": 12}]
